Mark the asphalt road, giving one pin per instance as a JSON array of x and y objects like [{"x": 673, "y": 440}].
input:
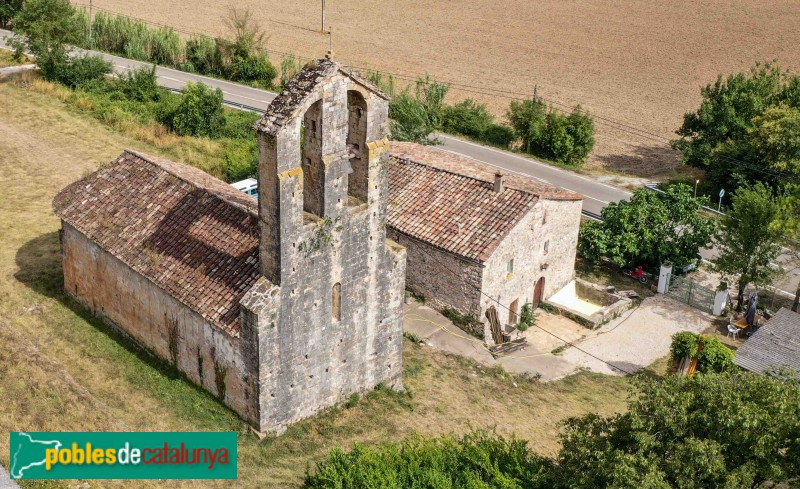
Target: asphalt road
[{"x": 596, "y": 194}]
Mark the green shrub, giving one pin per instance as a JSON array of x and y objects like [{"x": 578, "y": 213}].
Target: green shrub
[
  {"x": 714, "y": 357},
  {"x": 468, "y": 118},
  {"x": 199, "y": 112},
  {"x": 289, "y": 68},
  {"x": 141, "y": 85},
  {"x": 684, "y": 344},
  {"x": 241, "y": 159},
  {"x": 414, "y": 117},
  {"x": 81, "y": 70},
  {"x": 239, "y": 124},
  {"x": 526, "y": 318},
  {"x": 498, "y": 135},
  {"x": 255, "y": 69},
  {"x": 550, "y": 134},
  {"x": 9, "y": 9},
  {"x": 476, "y": 460},
  {"x": 204, "y": 55}
]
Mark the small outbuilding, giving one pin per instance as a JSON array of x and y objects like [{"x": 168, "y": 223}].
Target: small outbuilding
[
  {"x": 776, "y": 344},
  {"x": 478, "y": 239}
]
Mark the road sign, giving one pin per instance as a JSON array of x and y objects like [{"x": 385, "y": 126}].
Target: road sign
[{"x": 721, "y": 193}]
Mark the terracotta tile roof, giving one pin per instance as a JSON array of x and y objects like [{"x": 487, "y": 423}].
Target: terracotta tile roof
[
  {"x": 431, "y": 204},
  {"x": 464, "y": 165},
  {"x": 191, "y": 234}
]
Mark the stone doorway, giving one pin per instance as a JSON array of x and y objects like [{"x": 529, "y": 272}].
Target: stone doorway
[{"x": 538, "y": 292}]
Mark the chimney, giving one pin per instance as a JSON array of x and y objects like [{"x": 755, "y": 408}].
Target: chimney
[{"x": 498, "y": 183}]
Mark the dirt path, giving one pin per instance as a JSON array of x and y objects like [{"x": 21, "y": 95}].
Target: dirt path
[{"x": 638, "y": 61}]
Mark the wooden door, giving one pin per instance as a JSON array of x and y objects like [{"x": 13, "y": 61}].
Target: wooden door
[{"x": 538, "y": 291}]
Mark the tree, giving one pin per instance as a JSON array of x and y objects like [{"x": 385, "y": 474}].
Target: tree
[
  {"x": 732, "y": 430},
  {"x": 199, "y": 112},
  {"x": 528, "y": 118},
  {"x": 9, "y": 9},
  {"x": 735, "y": 135},
  {"x": 46, "y": 28},
  {"x": 748, "y": 240},
  {"x": 650, "y": 229},
  {"x": 415, "y": 116},
  {"x": 737, "y": 429},
  {"x": 550, "y": 134}
]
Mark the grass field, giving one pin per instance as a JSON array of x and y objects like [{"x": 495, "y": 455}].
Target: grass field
[
  {"x": 60, "y": 369},
  {"x": 638, "y": 61}
]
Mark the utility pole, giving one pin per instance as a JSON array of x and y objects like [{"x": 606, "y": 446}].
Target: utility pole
[
  {"x": 535, "y": 92},
  {"x": 90, "y": 24},
  {"x": 322, "y": 29}
]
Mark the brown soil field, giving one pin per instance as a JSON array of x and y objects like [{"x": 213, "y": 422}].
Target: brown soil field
[{"x": 638, "y": 62}]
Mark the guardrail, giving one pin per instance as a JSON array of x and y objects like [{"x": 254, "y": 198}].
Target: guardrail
[
  {"x": 654, "y": 188},
  {"x": 591, "y": 215}
]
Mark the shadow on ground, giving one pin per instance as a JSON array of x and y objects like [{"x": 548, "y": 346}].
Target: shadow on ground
[{"x": 646, "y": 161}]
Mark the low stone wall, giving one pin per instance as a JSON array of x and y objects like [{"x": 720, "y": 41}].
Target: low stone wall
[{"x": 613, "y": 305}]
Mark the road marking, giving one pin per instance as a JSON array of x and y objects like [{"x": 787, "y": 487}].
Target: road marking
[{"x": 530, "y": 160}]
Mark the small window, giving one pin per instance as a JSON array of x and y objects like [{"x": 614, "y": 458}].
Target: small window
[
  {"x": 336, "y": 299},
  {"x": 546, "y": 247},
  {"x": 512, "y": 312},
  {"x": 510, "y": 266},
  {"x": 313, "y": 128}
]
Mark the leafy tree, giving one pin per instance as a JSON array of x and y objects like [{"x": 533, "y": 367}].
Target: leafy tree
[
  {"x": 9, "y": 9},
  {"x": 736, "y": 132},
  {"x": 141, "y": 85},
  {"x": 528, "y": 117},
  {"x": 650, "y": 229},
  {"x": 199, "y": 112},
  {"x": 81, "y": 70},
  {"x": 738, "y": 429},
  {"x": 732, "y": 430},
  {"x": 748, "y": 240},
  {"x": 46, "y": 28},
  {"x": 416, "y": 116}
]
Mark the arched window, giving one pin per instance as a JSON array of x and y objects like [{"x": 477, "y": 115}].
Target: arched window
[
  {"x": 358, "y": 181},
  {"x": 311, "y": 161},
  {"x": 336, "y": 301}
]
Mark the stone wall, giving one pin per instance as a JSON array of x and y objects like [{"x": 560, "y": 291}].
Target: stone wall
[
  {"x": 554, "y": 222},
  {"x": 308, "y": 357},
  {"x": 144, "y": 312},
  {"x": 443, "y": 279}
]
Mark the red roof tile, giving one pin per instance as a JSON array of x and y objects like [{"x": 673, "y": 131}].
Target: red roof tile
[{"x": 191, "y": 234}]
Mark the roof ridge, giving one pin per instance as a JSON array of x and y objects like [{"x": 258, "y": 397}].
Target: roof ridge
[
  {"x": 151, "y": 160},
  {"x": 453, "y": 172}
]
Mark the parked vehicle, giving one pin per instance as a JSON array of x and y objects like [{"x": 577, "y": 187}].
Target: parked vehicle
[{"x": 637, "y": 274}]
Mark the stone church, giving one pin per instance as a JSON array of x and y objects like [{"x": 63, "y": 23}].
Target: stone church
[{"x": 280, "y": 306}]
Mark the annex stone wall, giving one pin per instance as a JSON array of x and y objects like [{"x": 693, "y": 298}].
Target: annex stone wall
[
  {"x": 551, "y": 222},
  {"x": 443, "y": 279},
  {"x": 138, "y": 308}
]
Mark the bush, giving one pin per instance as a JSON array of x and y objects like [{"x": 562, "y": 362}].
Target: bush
[
  {"x": 499, "y": 135},
  {"x": 547, "y": 133},
  {"x": 289, "y": 68},
  {"x": 255, "y": 69},
  {"x": 468, "y": 118},
  {"x": 204, "y": 56},
  {"x": 478, "y": 460},
  {"x": 714, "y": 357},
  {"x": 239, "y": 124},
  {"x": 414, "y": 117},
  {"x": 80, "y": 71},
  {"x": 241, "y": 159},
  {"x": 199, "y": 112},
  {"x": 141, "y": 85},
  {"x": 526, "y": 318}
]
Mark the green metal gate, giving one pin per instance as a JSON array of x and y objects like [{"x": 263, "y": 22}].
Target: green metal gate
[{"x": 691, "y": 293}]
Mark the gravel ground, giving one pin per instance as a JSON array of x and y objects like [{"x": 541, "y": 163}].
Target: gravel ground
[{"x": 639, "y": 337}]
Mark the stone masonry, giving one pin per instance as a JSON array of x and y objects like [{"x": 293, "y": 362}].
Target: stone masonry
[{"x": 280, "y": 306}]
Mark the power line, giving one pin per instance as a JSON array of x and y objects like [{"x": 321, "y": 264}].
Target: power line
[
  {"x": 569, "y": 343},
  {"x": 492, "y": 92}
]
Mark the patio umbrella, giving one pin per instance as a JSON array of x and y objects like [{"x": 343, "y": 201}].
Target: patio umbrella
[{"x": 751, "y": 309}]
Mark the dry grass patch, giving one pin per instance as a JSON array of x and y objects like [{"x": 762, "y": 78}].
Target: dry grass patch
[{"x": 61, "y": 369}]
